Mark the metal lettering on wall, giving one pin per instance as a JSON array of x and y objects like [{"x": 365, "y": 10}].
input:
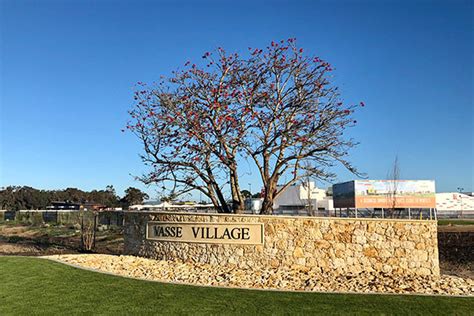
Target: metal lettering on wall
[{"x": 217, "y": 233}]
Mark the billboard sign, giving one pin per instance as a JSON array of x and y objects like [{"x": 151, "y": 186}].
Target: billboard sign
[
  {"x": 408, "y": 193},
  {"x": 344, "y": 195},
  {"x": 380, "y": 194}
]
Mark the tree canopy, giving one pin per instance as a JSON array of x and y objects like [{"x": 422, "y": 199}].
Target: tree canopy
[
  {"x": 28, "y": 198},
  {"x": 134, "y": 196},
  {"x": 276, "y": 107}
]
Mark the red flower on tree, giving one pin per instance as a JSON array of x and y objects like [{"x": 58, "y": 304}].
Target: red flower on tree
[{"x": 277, "y": 108}]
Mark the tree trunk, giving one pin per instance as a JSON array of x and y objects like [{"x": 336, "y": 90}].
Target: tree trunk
[
  {"x": 237, "y": 200},
  {"x": 268, "y": 198},
  {"x": 267, "y": 206},
  {"x": 223, "y": 207},
  {"x": 213, "y": 198}
]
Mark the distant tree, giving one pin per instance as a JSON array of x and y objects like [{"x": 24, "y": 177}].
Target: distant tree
[
  {"x": 133, "y": 196},
  {"x": 257, "y": 195},
  {"x": 168, "y": 198},
  {"x": 110, "y": 189},
  {"x": 7, "y": 198},
  {"x": 106, "y": 197},
  {"x": 111, "y": 197},
  {"x": 28, "y": 198},
  {"x": 74, "y": 195},
  {"x": 246, "y": 194},
  {"x": 16, "y": 198}
]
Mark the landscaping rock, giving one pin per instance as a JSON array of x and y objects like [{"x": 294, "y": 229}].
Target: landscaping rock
[{"x": 272, "y": 277}]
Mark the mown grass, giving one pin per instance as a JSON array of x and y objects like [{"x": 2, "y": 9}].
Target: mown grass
[
  {"x": 444, "y": 222},
  {"x": 37, "y": 286}
]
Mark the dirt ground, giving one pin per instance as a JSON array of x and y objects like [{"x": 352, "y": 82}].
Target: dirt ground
[
  {"x": 18, "y": 239},
  {"x": 456, "y": 250}
]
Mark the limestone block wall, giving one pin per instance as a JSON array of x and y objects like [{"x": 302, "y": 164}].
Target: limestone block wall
[{"x": 330, "y": 244}]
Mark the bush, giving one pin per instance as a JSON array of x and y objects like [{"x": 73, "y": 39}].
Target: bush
[{"x": 88, "y": 230}]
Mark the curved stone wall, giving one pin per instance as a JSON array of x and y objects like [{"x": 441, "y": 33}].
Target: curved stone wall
[{"x": 330, "y": 244}]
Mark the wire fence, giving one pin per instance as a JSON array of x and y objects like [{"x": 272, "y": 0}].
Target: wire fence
[
  {"x": 414, "y": 214},
  {"x": 116, "y": 217}
]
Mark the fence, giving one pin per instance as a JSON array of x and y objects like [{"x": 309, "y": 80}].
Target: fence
[
  {"x": 115, "y": 218},
  {"x": 464, "y": 214},
  {"x": 411, "y": 213},
  {"x": 380, "y": 213},
  {"x": 38, "y": 217},
  {"x": 7, "y": 215}
]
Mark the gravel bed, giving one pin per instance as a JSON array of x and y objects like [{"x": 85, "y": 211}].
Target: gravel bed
[{"x": 268, "y": 278}]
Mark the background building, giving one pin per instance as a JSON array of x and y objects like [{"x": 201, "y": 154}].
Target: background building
[
  {"x": 303, "y": 199},
  {"x": 454, "y": 205}
]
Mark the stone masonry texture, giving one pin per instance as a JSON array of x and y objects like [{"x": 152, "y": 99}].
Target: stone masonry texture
[{"x": 336, "y": 245}]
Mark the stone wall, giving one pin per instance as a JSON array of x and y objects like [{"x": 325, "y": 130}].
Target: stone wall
[{"x": 331, "y": 244}]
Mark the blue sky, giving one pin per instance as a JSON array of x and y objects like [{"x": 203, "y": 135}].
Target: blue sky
[{"x": 68, "y": 70}]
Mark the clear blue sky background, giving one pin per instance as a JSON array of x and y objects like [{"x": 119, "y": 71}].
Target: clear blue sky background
[{"x": 68, "y": 70}]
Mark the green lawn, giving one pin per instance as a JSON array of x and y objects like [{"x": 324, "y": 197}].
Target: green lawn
[
  {"x": 36, "y": 286},
  {"x": 443, "y": 222}
]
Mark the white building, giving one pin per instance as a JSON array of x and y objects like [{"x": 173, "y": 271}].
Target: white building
[
  {"x": 253, "y": 205},
  {"x": 298, "y": 197},
  {"x": 454, "y": 204},
  {"x": 165, "y": 206}
]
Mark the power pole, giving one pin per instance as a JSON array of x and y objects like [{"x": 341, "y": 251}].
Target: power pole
[
  {"x": 460, "y": 197},
  {"x": 310, "y": 201}
]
